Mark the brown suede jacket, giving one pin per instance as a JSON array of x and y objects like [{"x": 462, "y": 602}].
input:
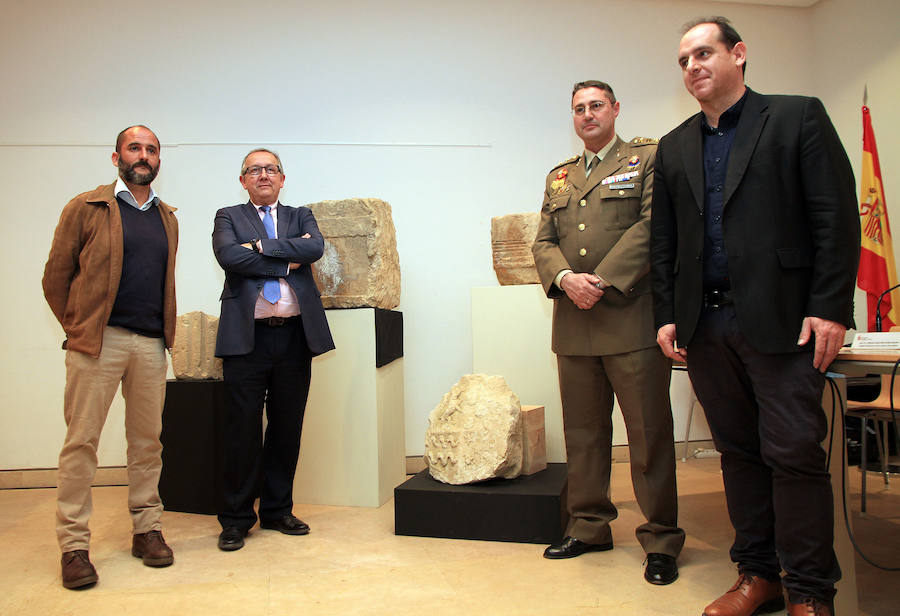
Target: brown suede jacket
[{"x": 82, "y": 274}]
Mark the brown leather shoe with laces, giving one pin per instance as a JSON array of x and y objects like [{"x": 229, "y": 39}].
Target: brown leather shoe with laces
[
  {"x": 750, "y": 595},
  {"x": 77, "y": 570},
  {"x": 809, "y": 607},
  {"x": 152, "y": 548}
]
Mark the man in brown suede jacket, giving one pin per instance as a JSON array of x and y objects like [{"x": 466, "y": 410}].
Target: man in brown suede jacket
[{"x": 110, "y": 281}]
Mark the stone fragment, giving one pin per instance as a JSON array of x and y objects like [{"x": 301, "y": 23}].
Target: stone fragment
[
  {"x": 534, "y": 440},
  {"x": 360, "y": 267},
  {"x": 193, "y": 352},
  {"x": 511, "y": 239},
  {"x": 475, "y": 432}
]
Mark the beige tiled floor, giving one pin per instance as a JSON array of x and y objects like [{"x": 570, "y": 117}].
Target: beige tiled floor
[{"x": 352, "y": 563}]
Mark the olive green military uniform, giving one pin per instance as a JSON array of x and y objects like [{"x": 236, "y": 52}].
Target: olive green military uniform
[{"x": 601, "y": 224}]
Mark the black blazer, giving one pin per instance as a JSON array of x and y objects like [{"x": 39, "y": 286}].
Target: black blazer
[
  {"x": 791, "y": 224},
  {"x": 246, "y": 270}
]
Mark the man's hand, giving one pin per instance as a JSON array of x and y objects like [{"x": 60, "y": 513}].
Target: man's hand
[
  {"x": 582, "y": 289},
  {"x": 666, "y": 340},
  {"x": 247, "y": 245},
  {"x": 829, "y": 340}
]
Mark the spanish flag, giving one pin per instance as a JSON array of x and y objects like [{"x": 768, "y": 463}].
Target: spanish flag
[{"x": 877, "y": 271}]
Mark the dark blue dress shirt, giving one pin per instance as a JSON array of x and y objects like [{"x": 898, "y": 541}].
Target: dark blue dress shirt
[{"x": 716, "y": 148}]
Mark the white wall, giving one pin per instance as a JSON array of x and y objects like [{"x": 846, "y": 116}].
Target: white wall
[
  {"x": 858, "y": 44},
  {"x": 452, "y": 112}
]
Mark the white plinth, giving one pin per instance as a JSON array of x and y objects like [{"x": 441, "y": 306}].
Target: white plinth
[{"x": 352, "y": 450}]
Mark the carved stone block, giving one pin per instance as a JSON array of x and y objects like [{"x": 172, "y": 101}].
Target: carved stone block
[
  {"x": 193, "y": 352},
  {"x": 475, "y": 432},
  {"x": 534, "y": 440},
  {"x": 360, "y": 267},
  {"x": 511, "y": 239}
]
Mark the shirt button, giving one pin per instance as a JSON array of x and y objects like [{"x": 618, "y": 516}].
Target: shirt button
[
  {"x": 581, "y": 227},
  {"x": 717, "y": 218},
  {"x": 582, "y": 203},
  {"x": 718, "y": 159},
  {"x": 718, "y": 189},
  {"x": 582, "y": 252}
]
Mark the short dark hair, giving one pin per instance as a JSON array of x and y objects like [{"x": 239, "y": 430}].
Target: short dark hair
[
  {"x": 121, "y": 137},
  {"x": 254, "y": 151},
  {"x": 602, "y": 85},
  {"x": 727, "y": 33}
]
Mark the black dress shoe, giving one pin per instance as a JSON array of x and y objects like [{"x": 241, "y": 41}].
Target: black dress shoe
[
  {"x": 231, "y": 538},
  {"x": 289, "y": 525},
  {"x": 661, "y": 569},
  {"x": 572, "y": 547}
]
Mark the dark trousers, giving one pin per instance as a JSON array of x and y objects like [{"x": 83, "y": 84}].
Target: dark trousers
[
  {"x": 276, "y": 373},
  {"x": 765, "y": 414}
]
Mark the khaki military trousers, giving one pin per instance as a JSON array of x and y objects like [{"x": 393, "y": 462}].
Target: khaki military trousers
[
  {"x": 640, "y": 381},
  {"x": 139, "y": 364}
]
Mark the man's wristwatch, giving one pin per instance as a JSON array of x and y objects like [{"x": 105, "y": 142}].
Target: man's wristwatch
[{"x": 254, "y": 244}]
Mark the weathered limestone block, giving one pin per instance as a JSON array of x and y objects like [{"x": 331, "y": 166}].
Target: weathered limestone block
[
  {"x": 475, "y": 433},
  {"x": 360, "y": 267},
  {"x": 511, "y": 239},
  {"x": 534, "y": 440},
  {"x": 193, "y": 352}
]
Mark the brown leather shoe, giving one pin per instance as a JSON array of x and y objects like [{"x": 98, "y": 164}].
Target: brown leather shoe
[
  {"x": 152, "y": 548},
  {"x": 750, "y": 595},
  {"x": 77, "y": 570},
  {"x": 809, "y": 607}
]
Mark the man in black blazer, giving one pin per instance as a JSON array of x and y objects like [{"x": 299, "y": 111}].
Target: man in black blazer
[
  {"x": 754, "y": 251},
  {"x": 272, "y": 324}
]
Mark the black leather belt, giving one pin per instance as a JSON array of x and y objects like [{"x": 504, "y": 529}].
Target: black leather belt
[
  {"x": 277, "y": 321},
  {"x": 714, "y": 299}
]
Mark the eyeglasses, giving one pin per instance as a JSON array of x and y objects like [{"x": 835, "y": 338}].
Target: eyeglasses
[
  {"x": 255, "y": 171},
  {"x": 594, "y": 106}
]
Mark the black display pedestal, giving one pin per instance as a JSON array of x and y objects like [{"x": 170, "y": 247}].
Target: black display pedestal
[
  {"x": 528, "y": 509},
  {"x": 191, "y": 479}
]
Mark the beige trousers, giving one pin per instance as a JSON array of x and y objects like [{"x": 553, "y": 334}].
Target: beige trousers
[{"x": 139, "y": 363}]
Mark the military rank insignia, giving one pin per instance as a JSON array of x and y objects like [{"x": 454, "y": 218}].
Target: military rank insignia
[{"x": 559, "y": 184}]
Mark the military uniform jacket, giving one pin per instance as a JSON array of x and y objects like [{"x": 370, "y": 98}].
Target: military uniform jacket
[{"x": 600, "y": 224}]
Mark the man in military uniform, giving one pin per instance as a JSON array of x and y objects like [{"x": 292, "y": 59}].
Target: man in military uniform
[{"x": 592, "y": 255}]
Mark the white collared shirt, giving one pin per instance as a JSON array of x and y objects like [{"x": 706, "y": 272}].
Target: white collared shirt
[
  {"x": 122, "y": 191},
  {"x": 287, "y": 306}
]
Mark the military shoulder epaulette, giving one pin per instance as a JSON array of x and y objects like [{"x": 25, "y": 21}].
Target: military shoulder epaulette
[
  {"x": 644, "y": 141},
  {"x": 565, "y": 162}
]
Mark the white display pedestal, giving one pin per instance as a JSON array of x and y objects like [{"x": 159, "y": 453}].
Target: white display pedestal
[
  {"x": 511, "y": 337},
  {"x": 353, "y": 448}
]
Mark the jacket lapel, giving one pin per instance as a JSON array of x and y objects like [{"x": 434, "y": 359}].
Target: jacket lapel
[
  {"x": 692, "y": 157},
  {"x": 284, "y": 220},
  {"x": 576, "y": 176},
  {"x": 253, "y": 218},
  {"x": 750, "y": 125}
]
